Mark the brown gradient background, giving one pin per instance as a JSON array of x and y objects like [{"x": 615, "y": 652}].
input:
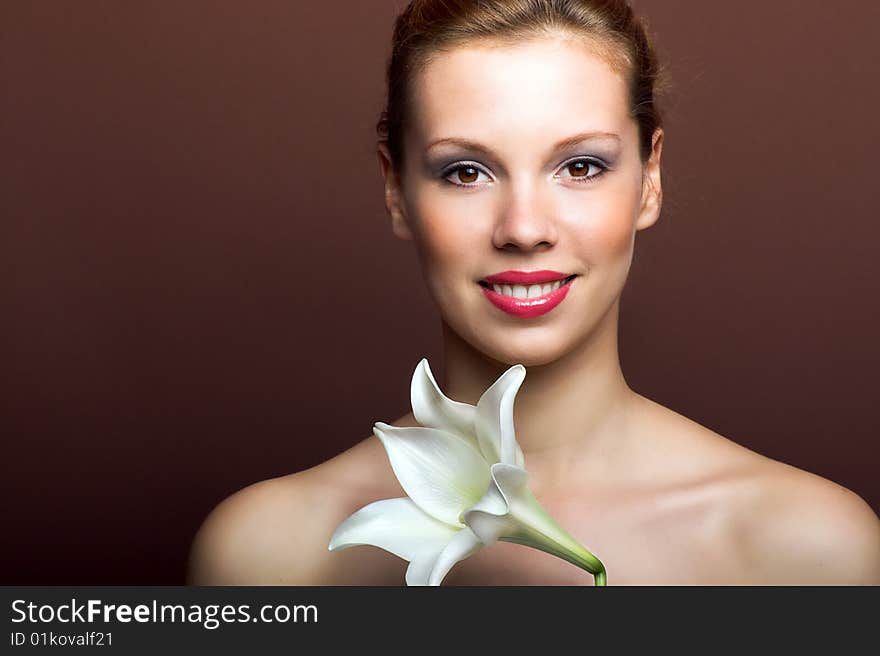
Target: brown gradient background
[{"x": 200, "y": 288}]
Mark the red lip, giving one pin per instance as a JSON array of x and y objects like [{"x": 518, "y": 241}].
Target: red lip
[
  {"x": 524, "y": 277},
  {"x": 527, "y": 308}
]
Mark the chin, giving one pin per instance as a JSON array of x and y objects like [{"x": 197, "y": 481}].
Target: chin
[
  {"x": 531, "y": 343},
  {"x": 530, "y": 349}
]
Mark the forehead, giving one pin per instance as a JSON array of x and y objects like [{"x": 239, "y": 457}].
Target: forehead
[{"x": 541, "y": 87}]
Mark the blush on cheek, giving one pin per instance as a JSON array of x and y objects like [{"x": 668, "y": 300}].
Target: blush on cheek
[
  {"x": 602, "y": 221},
  {"x": 441, "y": 243},
  {"x": 607, "y": 238},
  {"x": 441, "y": 236},
  {"x": 440, "y": 253},
  {"x": 445, "y": 228}
]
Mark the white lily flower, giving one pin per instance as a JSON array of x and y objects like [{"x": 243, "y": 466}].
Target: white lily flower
[{"x": 464, "y": 474}]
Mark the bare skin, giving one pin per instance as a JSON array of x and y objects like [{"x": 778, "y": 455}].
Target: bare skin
[
  {"x": 714, "y": 513},
  {"x": 658, "y": 498}
]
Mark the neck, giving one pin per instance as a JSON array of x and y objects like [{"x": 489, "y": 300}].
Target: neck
[{"x": 572, "y": 415}]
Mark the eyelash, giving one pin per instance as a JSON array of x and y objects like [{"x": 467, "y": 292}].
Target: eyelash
[{"x": 580, "y": 180}]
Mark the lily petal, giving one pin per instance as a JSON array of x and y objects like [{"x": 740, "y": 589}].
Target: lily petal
[
  {"x": 433, "y": 409},
  {"x": 395, "y": 525},
  {"x": 439, "y": 471},
  {"x": 525, "y": 521},
  {"x": 494, "y": 419},
  {"x": 490, "y": 518},
  {"x": 419, "y": 570},
  {"x": 462, "y": 545}
]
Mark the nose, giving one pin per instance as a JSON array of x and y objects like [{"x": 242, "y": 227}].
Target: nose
[{"x": 524, "y": 222}]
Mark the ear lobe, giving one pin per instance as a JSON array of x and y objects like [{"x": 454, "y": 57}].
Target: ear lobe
[
  {"x": 652, "y": 200},
  {"x": 400, "y": 227},
  {"x": 393, "y": 194},
  {"x": 652, "y": 189}
]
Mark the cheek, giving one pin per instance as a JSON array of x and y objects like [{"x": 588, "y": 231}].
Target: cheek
[
  {"x": 445, "y": 229},
  {"x": 440, "y": 239},
  {"x": 604, "y": 225},
  {"x": 609, "y": 237}
]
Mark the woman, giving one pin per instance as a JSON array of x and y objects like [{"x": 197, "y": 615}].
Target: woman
[{"x": 521, "y": 148}]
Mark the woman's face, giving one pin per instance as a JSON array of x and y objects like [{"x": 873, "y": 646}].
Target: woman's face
[{"x": 551, "y": 180}]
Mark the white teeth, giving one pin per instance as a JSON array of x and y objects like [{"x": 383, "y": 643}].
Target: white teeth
[{"x": 530, "y": 291}]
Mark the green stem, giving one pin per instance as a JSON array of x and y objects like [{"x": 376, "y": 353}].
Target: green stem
[
  {"x": 537, "y": 529},
  {"x": 577, "y": 556}
]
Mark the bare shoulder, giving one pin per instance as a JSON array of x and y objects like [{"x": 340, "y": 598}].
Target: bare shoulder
[
  {"x": 784, "y": 525},
  {"x": 263, "y": 534},
  {"x": 277, "y": 531},
  {"x": 799, "y": 528}
]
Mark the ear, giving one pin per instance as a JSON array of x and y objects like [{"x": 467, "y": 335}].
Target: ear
[
  {"x": 652, "y": 190},
  {"x": 393, "y": 194}
]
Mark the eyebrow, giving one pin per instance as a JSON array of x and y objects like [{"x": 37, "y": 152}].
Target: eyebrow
[{"x": 565, "y": 143}]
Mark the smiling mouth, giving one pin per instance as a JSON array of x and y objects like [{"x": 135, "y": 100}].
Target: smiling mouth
[{"x": 527, "y": 291}]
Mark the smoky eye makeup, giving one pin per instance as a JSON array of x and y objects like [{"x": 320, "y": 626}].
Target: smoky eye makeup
[
  {"x": 439, "y": 166},
  {"x": 442, "y": 168},
  {"x": 605, "y": 162},
  {"x": 606, "y": 157}
]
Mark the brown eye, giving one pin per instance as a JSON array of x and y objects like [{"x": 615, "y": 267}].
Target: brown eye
[
  {"x": 468, "y": 174},
  {"x": 579, "y": 169},
  {"x": 465, "y": 175}
]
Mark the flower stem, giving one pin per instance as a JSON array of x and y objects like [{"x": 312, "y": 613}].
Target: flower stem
[
  {"x": 579, "y": 557},
  {"x": 537, "y": 529},
  {"x": 527, "y": 523}
]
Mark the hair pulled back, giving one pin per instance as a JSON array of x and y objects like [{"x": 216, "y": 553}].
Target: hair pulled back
[{"x": 427, "y": 28}]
